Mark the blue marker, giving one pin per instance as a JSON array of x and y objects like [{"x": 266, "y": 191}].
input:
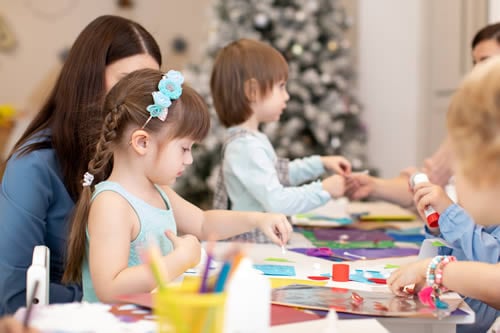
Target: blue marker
[{"x": 221, "y": 279}]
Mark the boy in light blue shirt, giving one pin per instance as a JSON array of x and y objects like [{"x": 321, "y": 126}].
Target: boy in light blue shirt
[{"x": 248, "y": 86}]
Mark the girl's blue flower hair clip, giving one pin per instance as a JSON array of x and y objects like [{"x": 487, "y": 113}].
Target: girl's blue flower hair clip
[{"x": 169, "y": 89}]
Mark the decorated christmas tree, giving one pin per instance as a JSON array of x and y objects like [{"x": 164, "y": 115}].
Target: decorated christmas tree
[{"x": 323, "y": 113}]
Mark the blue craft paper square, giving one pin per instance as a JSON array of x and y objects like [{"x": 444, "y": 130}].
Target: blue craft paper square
[{"x": 276, "y": 270}]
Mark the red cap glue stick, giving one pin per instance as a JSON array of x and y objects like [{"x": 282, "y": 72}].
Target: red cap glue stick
[{"x": 430, "y": 214}]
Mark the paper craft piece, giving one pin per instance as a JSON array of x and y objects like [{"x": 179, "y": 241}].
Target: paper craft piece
[
  {"x": 380, "y": 211},
  {"x": 357, "y": 302},
  {"x": 143, "y": 299},
  {"x": 350, "y": 235},
  {"x": 344, "y": 245},
  {"x": 276, "y": 270},
  {"x": 338, "y": 254},
  {"x": 332, "y": 214},
  {"x": 281, "y": 282},
  {"x": 417, "y": 238},
  {"x": 281, "y": 315},
  {"x": 390, "y": 266},
  {"x": 86, "y": 317},
  {"x": 430, "y": 247},
  {"x": 278, "y": 259}
]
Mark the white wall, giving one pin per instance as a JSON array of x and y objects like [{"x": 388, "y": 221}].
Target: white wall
[
  {"x": 493, "y": 11},
  {"x": 44, "y": 28},
  {"x": 389, "y": 80}
]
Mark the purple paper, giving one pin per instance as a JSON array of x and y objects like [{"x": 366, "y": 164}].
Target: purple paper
[
  {"x": 367, "y": 253},
  {"x": 350, "y": 235}
]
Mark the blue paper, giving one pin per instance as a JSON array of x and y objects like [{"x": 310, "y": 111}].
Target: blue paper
[{"x": 276, "y": 270}]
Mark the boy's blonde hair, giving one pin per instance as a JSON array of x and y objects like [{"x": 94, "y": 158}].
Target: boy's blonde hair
[
  {"x": 234, "y": 66},
  {"x": 474, "y": 124}
]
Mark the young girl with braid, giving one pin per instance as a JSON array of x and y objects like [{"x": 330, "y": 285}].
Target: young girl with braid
[{"x": 151, "y": 124}]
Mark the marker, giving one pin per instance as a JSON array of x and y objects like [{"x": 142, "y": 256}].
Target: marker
[
  {"x": 204, "y": 279},
  {"x": 222, "y": 278}
]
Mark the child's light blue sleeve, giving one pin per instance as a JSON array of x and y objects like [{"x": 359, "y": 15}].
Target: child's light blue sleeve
[
  {"x": 474, "y": 242},
  {"x": 305, "y": 169},
  {"x": 252, "y": 165}
]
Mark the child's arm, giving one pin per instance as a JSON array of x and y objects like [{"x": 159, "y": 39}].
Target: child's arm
[
  {"x": 305, "y": 169},
  {"x": 253, "y": 168},
  {"x": 472, "y": 279},
  {"x": 478, "y": 243},
  {"x": 309, "y": 168},
  {"x": 111, "y": 222},
  {"x": 221, "y": 224}
]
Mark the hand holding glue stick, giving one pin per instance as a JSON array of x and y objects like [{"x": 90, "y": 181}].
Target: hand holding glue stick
[{"x": 430, "y": 199}]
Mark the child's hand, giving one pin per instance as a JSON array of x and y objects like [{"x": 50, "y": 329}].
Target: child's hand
[
  {"x": 10, "y": 325},
  {"x": 413, "y": 273},
  {"x": 359, "y": 186},
  {"x": 276, "y": 227},
  {"x": 188, "y": 245},
  {"x": 338, "y": 164},
  {"x": 335, "y": 185},
  {"x": 425, "y": 194}
]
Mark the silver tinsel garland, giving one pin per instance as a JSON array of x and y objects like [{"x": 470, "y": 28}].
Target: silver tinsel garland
[{"x": 323, "y": 113}]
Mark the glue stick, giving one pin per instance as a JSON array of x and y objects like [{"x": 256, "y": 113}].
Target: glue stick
[{"x": 430, "y": 214}]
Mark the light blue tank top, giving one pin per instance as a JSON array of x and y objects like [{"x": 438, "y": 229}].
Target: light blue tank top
[{"x": 153, "y": 222}]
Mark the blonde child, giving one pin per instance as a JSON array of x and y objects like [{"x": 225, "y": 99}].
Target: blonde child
[
  {"x": 248, "y": 85},
  {"x": 151, "y": 124},
  {"x": 474, "y": 128}
]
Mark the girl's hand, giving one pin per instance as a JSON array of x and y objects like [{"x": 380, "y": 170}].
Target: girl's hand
[
  {"x": 413, "y": 273},
  {"x": 359, "y": 186},
  {"x": 335, "y": 185},
  {"x": 425, "y": 194},
  {"x": 188, "y": 246},
  {"x": 338, "y": 164},
  {"x": 275, "y": 226},
  {"x": 10, "y": 325}
]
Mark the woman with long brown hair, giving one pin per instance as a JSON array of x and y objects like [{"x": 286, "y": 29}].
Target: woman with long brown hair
[{"x": 42, "y": 176}]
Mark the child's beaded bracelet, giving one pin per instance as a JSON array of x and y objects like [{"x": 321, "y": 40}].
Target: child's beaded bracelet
[{"x": 430, "y": 294}]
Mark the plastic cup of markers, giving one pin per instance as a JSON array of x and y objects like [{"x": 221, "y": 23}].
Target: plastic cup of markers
[{"x": 182, "y": 309}]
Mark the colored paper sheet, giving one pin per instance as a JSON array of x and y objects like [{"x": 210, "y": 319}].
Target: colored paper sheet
[
  {"x": 367, "y": 253},
  {"x": 277, "y": 259},
  {"x": 281, "y": 282},
  {"x": 276, "y": 270},
  {"x": 281, "y": 315},
  {"x": 350, "y": 235},
  {"x": 309, "y": 234}
]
